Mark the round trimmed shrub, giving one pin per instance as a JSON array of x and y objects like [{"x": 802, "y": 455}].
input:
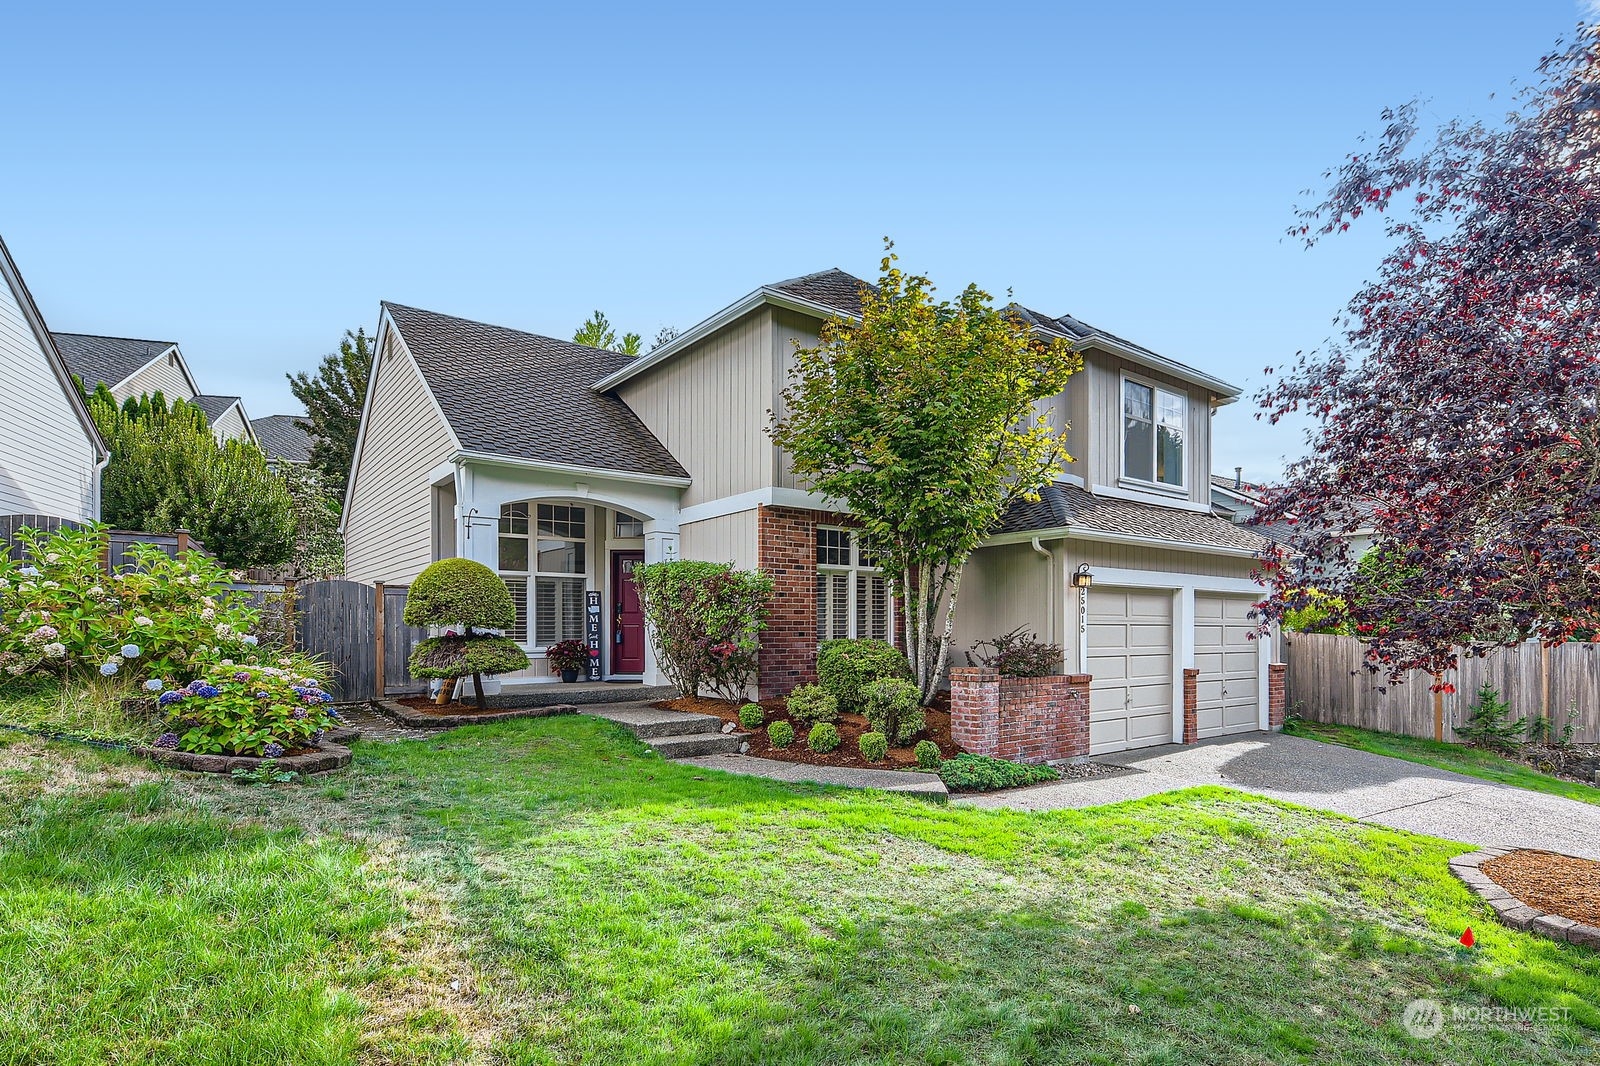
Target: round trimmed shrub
[
  {"x": 810, "y": 703},
  {"x": 460, "y": 591},
  {"x": 780, "y": 734},
  {"x": 928, "y": 755},
  {"x": 751, "y": 716},
  {"x": 873, "y": 746},
  {"x": 894, "y": 708},
  {"x": 845, "y": 667},
  {"x": 452, "y": 657},
  {"x": 824, "y": 738}
]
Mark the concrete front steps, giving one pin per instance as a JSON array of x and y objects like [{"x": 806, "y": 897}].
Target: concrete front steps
[{"x": 675, "y": 734}]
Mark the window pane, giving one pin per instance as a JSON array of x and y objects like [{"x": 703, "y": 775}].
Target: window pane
[
  {"x": 519, "y": 596},
  {"x": 629, "y": 526},
  {"x": 561, "y": 557},
  {"x": 560, "y": 520},
  {"x": 872, "y": 607},
  {"x": 1169, "y": 456},
  {"x": 514, "y": 554},
  {"x": 1136, "y": 401},
  {"x": 1138, "y": 458},
  {"x": 833, "y": 547},
  {"x": 571, "y": 608},
  {"x": 514, "y": 518},
  {"x": 557, "y": 610}
]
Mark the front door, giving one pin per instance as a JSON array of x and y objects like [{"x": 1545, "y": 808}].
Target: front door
[{"x": 627, "y": 619}]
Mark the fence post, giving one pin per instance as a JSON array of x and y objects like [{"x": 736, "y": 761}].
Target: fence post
[
  {"x": 289, "y": 608},
  {"x": 183, "y": 540},
  {"x": 380, "y": 678}
]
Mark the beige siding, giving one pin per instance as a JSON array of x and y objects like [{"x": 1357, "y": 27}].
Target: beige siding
[
  {"x": 1101, "y": 445},
  {"x": 1164, "y": 560},
  {"x": 790, "y": 330},
  {"x": 728, "y": 539},
  {"x": 708, "y": 404},
  {"x": 389, "y": 531},
  {"x": 47, "y": 458},
  {"x": 1004, "y": 587},
  {"x": 164, "y": 375},
  {"x": 231, "y": 426}
]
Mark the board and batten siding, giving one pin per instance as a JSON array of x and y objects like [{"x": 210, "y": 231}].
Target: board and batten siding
[
  {"x": 1007, "y": 586},
  {"x": 729, "y": 538},
  {"x": 47, "y": 458},
  {"x": 1102, "y": 444},
  {"x": 389, "y": 531},
  {"x": 1159, "y": 560},
  {"x": 708, "y": 404},
  {"x": 164, "y": 375}
]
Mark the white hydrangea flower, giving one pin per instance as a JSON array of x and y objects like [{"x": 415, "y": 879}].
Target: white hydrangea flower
[
  {"x": 50, "y": 585},
  {"x": 207, "y": 615},
  {"x": 55, "y": 651},
  {"x": 141, "y": 620},
  {"x": 224, "y": 630},
  {"x": 53, "y": 557}
]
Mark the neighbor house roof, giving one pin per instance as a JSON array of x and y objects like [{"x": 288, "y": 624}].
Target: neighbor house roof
[
  {"x": 833, "y": 291},
  {"x": 215, "y": 406},
  {"x": 111, "y": 360},
  {"x": 281, "y": 437},
  {"x": 1067, "y": 507},
  {"x": 525, "y": 396}
]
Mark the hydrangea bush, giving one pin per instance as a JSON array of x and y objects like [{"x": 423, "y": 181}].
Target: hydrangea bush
[
  {"x": 268, "y": 711},
  {"x": 160, "y": 617}
]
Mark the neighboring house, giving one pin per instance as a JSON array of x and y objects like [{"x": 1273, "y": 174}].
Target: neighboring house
[
  {"x": 131, "y": 368},
  {"x": 51, "y": 455},
  {"x": 227, "y": 417},
  {"x": 562, "y": 467},
  {"x": 1234, "y": 498},
  {"x": 282, "y": 440}
]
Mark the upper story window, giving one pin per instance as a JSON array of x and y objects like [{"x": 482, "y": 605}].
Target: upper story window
[
  {"x": 852, "y": 596},
  {"x": 1154, "y": 425},
  {"x": 545, "y": 547}
]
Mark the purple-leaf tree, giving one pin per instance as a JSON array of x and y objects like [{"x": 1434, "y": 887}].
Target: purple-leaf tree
[{"x": 1456, "y": 418}]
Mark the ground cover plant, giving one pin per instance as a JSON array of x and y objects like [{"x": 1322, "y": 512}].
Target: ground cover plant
[{"x": 550, "y": 891}]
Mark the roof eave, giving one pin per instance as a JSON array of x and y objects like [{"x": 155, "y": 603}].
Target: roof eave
[
  {"x": 1070, "y": 532},
  {"x": 1223, "y": 392},
  {"x": 612, "y": 473}
]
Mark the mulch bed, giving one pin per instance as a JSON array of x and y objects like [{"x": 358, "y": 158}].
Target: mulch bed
[
  {"x": 850, "y": 727},
  {"x": 1559, "y": 884},
  {"x": 1574, "y": 762}
]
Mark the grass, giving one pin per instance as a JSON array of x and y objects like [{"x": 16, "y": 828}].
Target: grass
[
  {"x": 90, "y": 709},
  {"x": 1474, "y": 762},
  {"x": 549, "y": 891}
]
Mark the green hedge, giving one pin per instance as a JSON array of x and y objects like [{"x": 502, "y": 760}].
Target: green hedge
[{"x": 845, "y": 667}]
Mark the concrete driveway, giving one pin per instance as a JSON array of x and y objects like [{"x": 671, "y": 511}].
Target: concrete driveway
[{"x": 1371, "y": 788}]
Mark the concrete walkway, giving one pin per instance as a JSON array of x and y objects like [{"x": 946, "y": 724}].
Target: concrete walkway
[
  {"x": 1371, "y": 788},
  {"x": 909, "y": 782}
]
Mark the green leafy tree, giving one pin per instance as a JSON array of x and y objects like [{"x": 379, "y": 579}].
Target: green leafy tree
[
  {"x": 318, "y": 545},
  {"x": 598, "y": 332},
  {"x": 333, "y": 398},
  {"x": 168, "y": 472},
  {"x": 460, "y": 592},
  {"x": 920, "y": 421}
]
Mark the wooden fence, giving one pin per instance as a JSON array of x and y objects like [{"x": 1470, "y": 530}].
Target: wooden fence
[
  {"x": 1327, "y": 682},
  {"x": 360, "y": 631},
  {"x": 120, "y": 540}
]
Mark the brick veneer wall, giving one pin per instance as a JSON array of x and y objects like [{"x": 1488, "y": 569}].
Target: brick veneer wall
[
  {"x": 1191, "y": 705},
  {"x": 1277, "y": 699},
  {"x": 786, "y": 549},
  {"x": 1028, "y": 719}
]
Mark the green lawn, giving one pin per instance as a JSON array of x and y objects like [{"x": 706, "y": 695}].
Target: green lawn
[
  {"x": 550, "y": 891},
  {"x": 1473, "y": 762}
]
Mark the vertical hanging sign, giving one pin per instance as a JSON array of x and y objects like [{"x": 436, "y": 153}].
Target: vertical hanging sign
[{"x": 591, "y": 633}]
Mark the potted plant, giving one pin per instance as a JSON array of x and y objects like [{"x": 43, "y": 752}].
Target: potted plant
[{"x": 568, "y": 658}]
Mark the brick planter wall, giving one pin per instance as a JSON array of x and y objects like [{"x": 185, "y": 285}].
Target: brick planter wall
[
  {"x": 1277, "y": 700},
  {"x": 1028, "y": 719},
  {"x": 1191, "y": 705}
]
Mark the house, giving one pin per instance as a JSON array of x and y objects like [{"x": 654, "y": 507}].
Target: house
[
  {"x": 131, "y": 368},
  {"x": 51, "y": 454},
  {"x": 562, "y": 467},
  {"x": 282, "y": 440},
  {"x": 1234, "y": 498}
]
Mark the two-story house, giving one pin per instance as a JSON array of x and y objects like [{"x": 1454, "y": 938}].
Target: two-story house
[{"x": 562, "y": 467}]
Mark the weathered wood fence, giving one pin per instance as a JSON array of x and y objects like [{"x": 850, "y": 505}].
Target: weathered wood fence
[
  {"x": 1327, "y": 682},
  {"x": 360, "y": 631},
  {"x": 120, "y": 540}
]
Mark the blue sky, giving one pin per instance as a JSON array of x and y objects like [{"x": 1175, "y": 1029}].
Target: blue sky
[{"x": 252, "y": 181}]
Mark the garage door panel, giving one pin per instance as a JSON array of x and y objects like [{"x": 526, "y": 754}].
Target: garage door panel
[
  {"x": 1130, "y": 659},
  {"x": 1229, "y": 661}
]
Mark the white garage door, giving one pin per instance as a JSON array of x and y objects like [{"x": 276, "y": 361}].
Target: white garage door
[
  {"x": 1229, "y": 686},
  {"x": 1130, "y": 656}
]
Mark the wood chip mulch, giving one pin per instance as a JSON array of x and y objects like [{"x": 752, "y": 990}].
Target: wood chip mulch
[{"x": 1559, "y": 884}]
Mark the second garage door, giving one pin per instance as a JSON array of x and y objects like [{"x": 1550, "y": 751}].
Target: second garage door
[
  {"x": 1229, "y": 687},
  {"x": 1130, "y": 657}
]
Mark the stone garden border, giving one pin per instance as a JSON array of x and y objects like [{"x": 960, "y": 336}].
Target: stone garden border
[
  {"x": 328, "y": 756},
  {"x": 409, "y": 716},
  {"x": 1510, "y": 910}
]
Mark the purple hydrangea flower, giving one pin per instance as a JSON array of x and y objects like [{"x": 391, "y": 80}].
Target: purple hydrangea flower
[
  {"x": 272, "y": 750},
  {"x": 241, "y": 676},
  {"x": 317, "y": 735},
  {"x": 263, "y": 695},
  {"x": 167, "y": 740},
  {"x": 169, "y": 697},
  {"x": 300, "y": 713},
  {"x": 334, "y": 715}
]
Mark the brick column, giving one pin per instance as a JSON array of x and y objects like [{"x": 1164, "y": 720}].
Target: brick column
[
  {"x": 1277, "y": 697},
  {"x": 1077, "y": 733},
  {"x": 975, "y": 709},
  {"x": 1191, "y": 705},
  {"x": 786, "y": 549}
]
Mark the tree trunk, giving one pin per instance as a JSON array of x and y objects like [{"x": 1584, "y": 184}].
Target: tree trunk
[{"x": 477, "y": 687}]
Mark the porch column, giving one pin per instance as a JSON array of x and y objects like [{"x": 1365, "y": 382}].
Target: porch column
[{"x": 660, "y": 546}]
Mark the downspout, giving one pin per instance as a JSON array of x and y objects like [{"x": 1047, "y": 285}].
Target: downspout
[{"x": 1049, "y": 590}]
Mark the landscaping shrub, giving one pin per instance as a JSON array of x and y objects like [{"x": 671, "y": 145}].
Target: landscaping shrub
[
  {"x": 469, "y": 594},
  {"x": 160, "y": 617},
  {"x": 809, "y": 703},
  {"x": 894, "y": 708},
  {"x": 983, "y": 773},
  {"x": 268, "y": 711},
  {"x": 1489, "y": 725},
  {"x": 751, "y": 716},
  {"x": 873, "y": 746},
  {"x": 824, "y": 737},
  {"x": 780, "y": 734},
  {"x": 844, "y": 667},
  {"x": 928, "y": 755},
  {"x": 705, "y": 621},
  {"x": 1017, "y": 654}
]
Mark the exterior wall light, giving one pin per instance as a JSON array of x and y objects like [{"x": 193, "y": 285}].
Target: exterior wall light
[{"x": 1082, "y": 578}]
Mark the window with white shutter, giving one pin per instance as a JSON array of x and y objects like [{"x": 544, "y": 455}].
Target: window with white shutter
[{"x": 852, "y": 596}]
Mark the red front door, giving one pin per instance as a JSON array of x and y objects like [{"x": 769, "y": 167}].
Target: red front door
[{"x": 627, "y": 620}]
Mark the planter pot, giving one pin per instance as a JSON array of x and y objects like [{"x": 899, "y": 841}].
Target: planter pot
[{"x": 569, "y": 676}]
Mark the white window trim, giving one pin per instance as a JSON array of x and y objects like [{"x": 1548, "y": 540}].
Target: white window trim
[
  {"x": 1156, "y": 390},
  {"x": 529, "y": 641},
  {"x": 851, "y": 570}
]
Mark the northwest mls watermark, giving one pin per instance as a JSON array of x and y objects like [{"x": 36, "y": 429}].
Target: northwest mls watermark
[{"x": 1424, "y": 1018}]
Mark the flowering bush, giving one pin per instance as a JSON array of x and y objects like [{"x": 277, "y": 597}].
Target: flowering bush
[
  {"x": 159, "y": 617},
  {"x": 268, "y": 711},
  {"x": 705, "y": 621}
]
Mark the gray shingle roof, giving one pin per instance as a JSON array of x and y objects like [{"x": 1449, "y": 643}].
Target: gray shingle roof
[
  {"x": 526, "y": 396},
  {"x": 1061, "y": 506},
  {"x": 106, "y": 359},
  {"x": 282, "y": 437},
  {"x": 214, "y": 406}
]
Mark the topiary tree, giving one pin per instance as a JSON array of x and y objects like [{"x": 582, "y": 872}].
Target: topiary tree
[{"x": 462, "y": 592}]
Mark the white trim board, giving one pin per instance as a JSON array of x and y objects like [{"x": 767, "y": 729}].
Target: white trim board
[{"x": 749, "y": 501}]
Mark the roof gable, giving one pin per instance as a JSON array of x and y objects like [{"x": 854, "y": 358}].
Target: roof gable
[
  {"x": 111, "y": 360},
  {"x": 526, "y": 396}
]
